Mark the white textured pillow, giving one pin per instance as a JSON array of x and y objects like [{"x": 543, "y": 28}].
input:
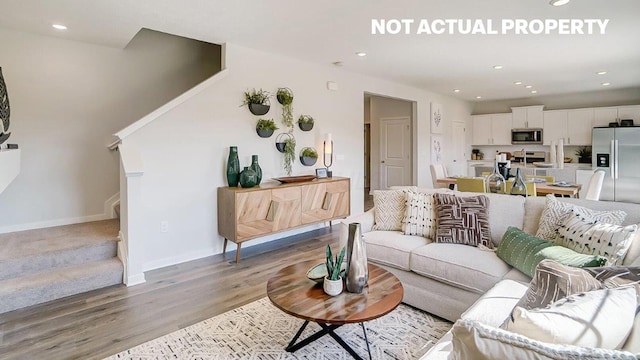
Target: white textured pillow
[
  {"x": 599, "y": 318},
  {"x": 555, "y": 211},
  {"x": 586, "y": 236},
  {"x": 419, "y": 216},
  {"x": 388, "y": 209},
  {"x": 474, "y": 340}
]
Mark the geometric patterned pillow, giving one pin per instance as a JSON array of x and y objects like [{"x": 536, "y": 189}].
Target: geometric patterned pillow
[
  {"x": 587, "y": 236},
  {"x": 462, "y": 220},
  {"x": 555, "y": 212},
  {"x": 419, "y": 217},
  {"x": 389, "y": 210}
]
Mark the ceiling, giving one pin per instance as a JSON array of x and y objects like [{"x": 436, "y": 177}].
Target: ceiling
[{"x": 334, "y": 30}]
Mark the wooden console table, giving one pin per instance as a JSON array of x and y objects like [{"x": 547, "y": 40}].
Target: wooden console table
[{"x": 245, "y": 214}]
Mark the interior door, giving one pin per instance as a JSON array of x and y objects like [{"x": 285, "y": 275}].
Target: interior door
[
  {"x": 459, "y": 161},
  {"x": 395, "y": 152}
]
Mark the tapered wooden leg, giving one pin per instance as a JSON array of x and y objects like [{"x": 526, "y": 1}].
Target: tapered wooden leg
[{"x": 238, "y": 253}]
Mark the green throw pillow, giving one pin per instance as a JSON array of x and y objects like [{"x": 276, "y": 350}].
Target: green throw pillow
[{"x": 524, "y": 252}]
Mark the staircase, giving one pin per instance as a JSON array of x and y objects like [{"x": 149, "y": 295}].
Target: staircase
[{"x": 41, "y": 265}]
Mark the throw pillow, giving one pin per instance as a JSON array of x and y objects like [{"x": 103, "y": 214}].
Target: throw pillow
[
  {"x": 555, "y": 211},
  {"x": 474, "y": 340},
  {"x": 552, "y": 281},
  {"x": 587, "y": 236},
  {"x": 419, "y": 216},
  {"x": 524, "y": 252},
  {"x": 388, "y": 210},
  {"x": 600, "y": 318},
  {"x": 462, "y": 220}
]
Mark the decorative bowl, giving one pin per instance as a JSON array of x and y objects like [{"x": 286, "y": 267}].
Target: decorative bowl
[
  {"x": 318, "y": 272},
  {"x": 568, "y": 160},
  {"x": 543, "y": 165}
]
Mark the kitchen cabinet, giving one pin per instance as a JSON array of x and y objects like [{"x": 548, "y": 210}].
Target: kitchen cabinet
[
  {"x": 491, "y": 129},
  {"x": 604, "y": 115},
  {"x": 573, "y": 126},
  {"x": 527, "y": 117}
]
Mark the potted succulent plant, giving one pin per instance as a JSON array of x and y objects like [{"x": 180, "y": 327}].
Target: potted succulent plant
[
  {"x": 257, "y": 101},
  {"x": 332, "y": 284},
  {"x": 584, "y": 155},
  {"x": 308, "y": 156},
  {"x": 265, "y": 127},
  {"x": 305, "y": 122}
]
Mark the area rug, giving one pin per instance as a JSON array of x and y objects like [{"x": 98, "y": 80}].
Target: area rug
[{"x": 260, "y": 331}]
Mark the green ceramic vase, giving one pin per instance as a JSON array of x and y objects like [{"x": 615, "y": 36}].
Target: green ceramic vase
[
  {"x": 256, "y": 167},
  {"x": 248, "y": 178},
  {"x": 233, "y": 167}
]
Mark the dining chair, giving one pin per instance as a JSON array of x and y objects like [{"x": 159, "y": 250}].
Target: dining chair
[
  {"x": 471, "y": 184},
  {"x": 595, "y": 186},
  {"x": 438, "y": 171},
  {"x": 548, "y": 179},
  {"x": 531, "y": 187}
]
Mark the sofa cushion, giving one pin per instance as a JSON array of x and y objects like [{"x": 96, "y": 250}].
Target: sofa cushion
[
  {"x": 392, "y": 248},
  {"x": 462, "y": 220},
  {"x": 419, "y": 216},
  {"x": 466, "y": 267},
  {"x": 524, "y": 252},
  {"x": 586, "y": 235},
  {"x": 600, "y": 318},
  {"x": 473, "y": 340},
  {"x": 555, "y": 212},
  {"x": 388, "y": 208}
]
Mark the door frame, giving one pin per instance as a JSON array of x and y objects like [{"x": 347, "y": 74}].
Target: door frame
[{"x": 410, "y": 161}]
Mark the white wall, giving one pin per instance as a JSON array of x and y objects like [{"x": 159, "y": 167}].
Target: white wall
[
  {"x": 181, "y": 177},
  {"x": 67, "y": 99}
]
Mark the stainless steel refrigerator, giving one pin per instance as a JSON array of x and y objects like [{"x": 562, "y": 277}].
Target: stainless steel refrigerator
[{"x": 616, "y": 150}]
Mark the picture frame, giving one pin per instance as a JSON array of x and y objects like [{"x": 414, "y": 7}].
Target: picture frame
[
  {"x": 437, "y": 120},
  {"x": 321, "y": 173},
  {"x": 436, "y": 149}
]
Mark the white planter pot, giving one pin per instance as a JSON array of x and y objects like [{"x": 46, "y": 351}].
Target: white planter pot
[{"x": 332, "y": 287}]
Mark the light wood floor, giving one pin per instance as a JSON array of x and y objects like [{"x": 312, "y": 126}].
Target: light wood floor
[{"x": 103, "y": 322}]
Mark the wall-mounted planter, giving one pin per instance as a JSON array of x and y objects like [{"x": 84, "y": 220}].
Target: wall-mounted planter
[
  {"x": 308, "y": 156},
  {"x": 305, "y": 122},
  {"x": 264, "y": 133},
  {"x": 259, "y": 109},
  {"x": 281, "y": 141},
  {"x": 284, "y": 96}
]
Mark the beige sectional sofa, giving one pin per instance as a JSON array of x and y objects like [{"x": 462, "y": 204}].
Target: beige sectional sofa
[{"x": 447, "y": 279}]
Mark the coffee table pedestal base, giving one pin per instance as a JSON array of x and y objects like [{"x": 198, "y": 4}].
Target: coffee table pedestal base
[{"x": 326, "y": 329}]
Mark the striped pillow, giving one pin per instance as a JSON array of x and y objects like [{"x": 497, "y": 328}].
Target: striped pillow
[
  {"x": 419, "y": 217},
  {"x": 462, "y": 220}
]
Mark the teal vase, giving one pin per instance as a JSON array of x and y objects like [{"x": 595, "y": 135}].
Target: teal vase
[
  {"x": 248, "y": 178},
  {"x": 256, "y": 167},
  {"x": 233, "y": 167}
]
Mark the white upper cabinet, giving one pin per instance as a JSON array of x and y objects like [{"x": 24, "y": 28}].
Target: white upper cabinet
[
  {"x": 527, "y": 117},
  {"x": 629, "y": 112},
  {"x": 491, "y": 129},
  {"x": 572, "y": 126},
  {"x": 555, "y": 126},
  {"x": 605, "y": 115}
]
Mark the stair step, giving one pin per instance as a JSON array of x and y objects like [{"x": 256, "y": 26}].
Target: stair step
[
  {"x": 32, "y": 251},
  {"x": 38, "y": 288}
]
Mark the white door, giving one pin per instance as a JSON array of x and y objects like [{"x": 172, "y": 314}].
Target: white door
[
  {"x": 458, "y": 167},
  {"x": 395, "y": 152}
]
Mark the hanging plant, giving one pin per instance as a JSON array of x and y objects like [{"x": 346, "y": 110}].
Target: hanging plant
[
  {"x": 289, "y": 153},
  {"x": 305, "y": 122},
  {"x": 281, "y": 141},
  {"x": 308, "y": 156},
  {"x": 266, "y": 127},
  {"x": 257, "y": 101},
  {"x": 285, "y": 97}
]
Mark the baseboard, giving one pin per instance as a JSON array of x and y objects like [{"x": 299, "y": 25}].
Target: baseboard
[
  {"x": 110, "y": 204},
  {"x": 51, "y": 223},
  {"x": 135, "y": 280},
  {"x": 173, "y": 260}
]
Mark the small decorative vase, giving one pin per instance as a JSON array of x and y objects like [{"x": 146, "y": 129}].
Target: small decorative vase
[
  {"x": 248, "y": 178},
  {"x": 357, "y": 268},
  {"x": 256, "y": 167},
  {"x": 495, "y": 181},
  {"x": 519, "y": 187},
  {"x": 233, "y": 167},
  {"x": 332, "y": 287}
]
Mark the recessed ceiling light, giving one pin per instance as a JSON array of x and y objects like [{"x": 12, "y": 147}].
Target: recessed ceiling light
[
  {"x": 606, "y": 84},
  {"x": 456, "y": 90},
  {"x": 558, "y": 2},
  {"x": 497, "y": 67},
  {"x": 601, "y": 73},
  {"x": 59, "y": 27},
  {"x": 518, "y": 83},
  {"x": 534, "y": 91},
  {"x": 478, "y": 97},
  {"x": 528, "y": 86},
  {"x": 361, "y": 53}
]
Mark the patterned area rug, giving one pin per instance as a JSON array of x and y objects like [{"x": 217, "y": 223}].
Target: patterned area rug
[{"x": 260, "y": 331}]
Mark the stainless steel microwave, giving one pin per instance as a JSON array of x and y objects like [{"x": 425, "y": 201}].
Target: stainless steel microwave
[{"x": 526, "y": 136}]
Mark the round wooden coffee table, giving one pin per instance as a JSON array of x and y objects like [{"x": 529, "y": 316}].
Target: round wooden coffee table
[{"x": 292, "y": 292}]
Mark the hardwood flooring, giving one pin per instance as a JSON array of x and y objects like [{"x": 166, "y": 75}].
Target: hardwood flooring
[{"x": 106, "y": 321}]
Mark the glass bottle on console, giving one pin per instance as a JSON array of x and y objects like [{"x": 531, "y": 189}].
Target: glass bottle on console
[
  {"x": 519, "y": 187},
  {"x": 495, "y": 181}
]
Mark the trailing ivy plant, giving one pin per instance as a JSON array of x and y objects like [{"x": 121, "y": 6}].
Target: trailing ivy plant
[
  {"x": 289, "y": 153},
  {"x": 285, "y": 97}
]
